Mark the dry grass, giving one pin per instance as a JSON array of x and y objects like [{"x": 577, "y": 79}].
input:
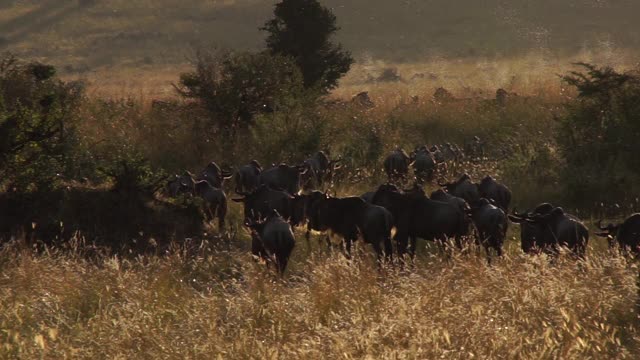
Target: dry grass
[{"x": 223, "y": 305}]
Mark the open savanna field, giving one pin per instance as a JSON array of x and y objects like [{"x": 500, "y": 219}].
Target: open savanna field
[{"x": 98, "y": 260}]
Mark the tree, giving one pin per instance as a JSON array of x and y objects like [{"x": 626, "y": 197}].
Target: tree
[
  {"x": 599, "y": 135},
  {"x": 302, "y": 29},
  {"x": 37, "y": 111},
  {"x": 233, "y": 88}
]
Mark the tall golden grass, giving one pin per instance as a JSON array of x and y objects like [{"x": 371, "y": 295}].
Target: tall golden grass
[{"x": 221, "y": 304}]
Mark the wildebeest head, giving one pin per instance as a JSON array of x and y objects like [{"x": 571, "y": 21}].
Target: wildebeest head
[
  {"x": 255, "y": 164},
  {"x": 214, "y": 175},
  {"x": 187, "y": 183},
  {"x": 608, "y": 232},
  {"x": 316, "y": 204}
]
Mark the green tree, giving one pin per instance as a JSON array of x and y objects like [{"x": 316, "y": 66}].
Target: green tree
[
  {"x": 36, "y": 124},
  {"x": 599, "y": 135},
  {"x": 302, "y": 29},
  {"x": 233, "y": 88}
]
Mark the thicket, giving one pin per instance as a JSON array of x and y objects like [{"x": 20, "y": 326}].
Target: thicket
[{"x": 598, "y": 137}]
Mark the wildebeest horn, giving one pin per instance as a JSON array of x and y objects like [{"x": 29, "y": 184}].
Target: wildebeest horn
[
  {"x": 520, "y": 215},
  {"x": 604, "y": 235}
]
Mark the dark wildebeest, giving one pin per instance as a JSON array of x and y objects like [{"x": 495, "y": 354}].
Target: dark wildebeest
[
  {"x": 348, "y": 216},
  {"x": 248, "y": 177},
  {"x": 532, "y": 238},
  {"x": 214, "y": 175},
  {"x": 174, "y": 185},
  {"x": 441, "y": 195},
  {"x": 437, "y": 154},
  {"x": 415, "y": 216},
  {"x": 368, "y": 196},
  {"x": 448, "y": 153},
  {"x": 320, "y": 169},
  {"x": 491, "y": 223},
  {"x": 626, "y": 234},
  {"x": 474, "y": 148},
  {"x": 214, "y": 198},
  {"x": 424, "y": 164},
  {"x": 564, "y": 230},
  {"x": 491, "y": 189},
  {"x": 396, "y": 164},
  {"x": 272, "y": 240},
  {"x": 463, "y": 188},
  {"x": 262, "y": 201},
  {"x": 283, "y": 177}
]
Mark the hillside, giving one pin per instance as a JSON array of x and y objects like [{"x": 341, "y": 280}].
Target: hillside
[{"x": 149, "y": 41}]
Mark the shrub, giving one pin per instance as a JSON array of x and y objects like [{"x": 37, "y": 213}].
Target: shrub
[
  {"x": 599, "y": 135},
  {"x": 37, "y": 124},
  {"x": 233, "y": 88}
]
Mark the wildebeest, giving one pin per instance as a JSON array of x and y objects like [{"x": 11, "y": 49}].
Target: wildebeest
[
  {"x": 214, "y": 198},
  {"x": 214, "y": 175},
  {"x": 272, "y": 240},
  {"x": 474, "y": 148},
  {"x": 441, "y": 195},
  {"x": 626, "y": 234},
  {"x": 396, "y": 164},
  {"x": 491, "y": 223},
  {"x": 532, "y": 238},
  {"x": 415, "y": 216},
  {"x": 349, "y": 216},
  {"x": 463, "y": 188},
  {"x": 320, "y": 168},
  {"x": 424, "y": 164},
  {"x": 563, "y": 230},
  {"x": 248, "y": 177},
  {"x": 283, "y": 177},
  {"x": 174, "y": 184},
  {"x": 448, "y": 153},
  {"x": 491, "y": 189},
  {"x": 262, "y": 201},
  {"x": 368, "y": 196},
  {"x": 437, "y": 154}
]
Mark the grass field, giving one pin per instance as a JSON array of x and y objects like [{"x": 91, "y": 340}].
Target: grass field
[
  {"x": 211, "y": 299},
  {"x": 139, "y": 47},
  {"x": 223, "y": 305}
]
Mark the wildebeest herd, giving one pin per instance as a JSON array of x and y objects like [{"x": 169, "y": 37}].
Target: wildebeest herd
[{"x": 284, "y": 196}]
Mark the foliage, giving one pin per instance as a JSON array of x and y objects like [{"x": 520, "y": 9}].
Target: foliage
[
  {"x": 290, "y": 134},
  {"x": 131, "y": 173},
  {"x": 599, "y": 135},
  {"x": 37, "y": 116},
  {"x": 234, "y": 88},
  {"x": 302, "y": 30}
]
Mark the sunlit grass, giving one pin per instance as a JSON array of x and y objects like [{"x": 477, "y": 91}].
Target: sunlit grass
[{"x": 221, "y": 303}]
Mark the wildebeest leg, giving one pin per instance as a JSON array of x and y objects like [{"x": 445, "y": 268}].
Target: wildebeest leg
[
  {"x": 388, "y": 249},
  {"x": 307, "y": 237},
  {"x": 222, "y": 213},
  {"x": 412, "y": 247},
  {"x": 281, "y": 263},
  {"x": 401, "y": 244},
  {"x": 378, "y": 249}
]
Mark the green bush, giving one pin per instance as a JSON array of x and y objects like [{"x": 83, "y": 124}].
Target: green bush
[
  {"x": 38, "y": 113},
  {"x": 234, "y": 88},
  {"x": 599, "y": 135}
]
